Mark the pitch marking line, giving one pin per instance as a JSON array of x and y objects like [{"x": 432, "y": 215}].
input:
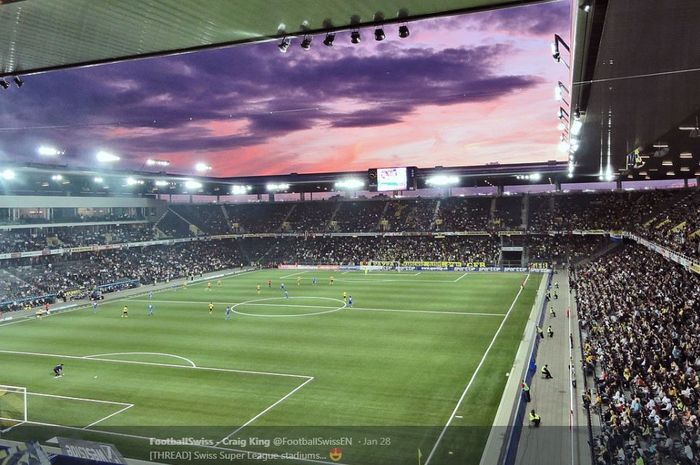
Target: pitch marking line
[
  {"x": 367, "y": 309},
  {"x": 108, "y": 416},
  {"x": 293, "y": 274},
  {"x": 84, "y": 399},
  {"x": 456, "y": 280},
  {"x": 261, "y": 455},
  {"x": 125, "y": 405},
  {"x": 169, "y": 365},
  {"x": 473, "y": 377},
  {"x": 266, "y": 410},
  {"x": 97, "y": 356},
  {"x": 279, "y": 315}
]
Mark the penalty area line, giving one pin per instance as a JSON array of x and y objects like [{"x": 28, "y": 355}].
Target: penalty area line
[
  {"x": 279, "y": 401},
  {"x": 168, "y": 365},
  {"x": 109, "y": 416}
]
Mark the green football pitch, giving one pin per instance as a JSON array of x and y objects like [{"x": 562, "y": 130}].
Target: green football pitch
[{"x": 412, "y": 373}]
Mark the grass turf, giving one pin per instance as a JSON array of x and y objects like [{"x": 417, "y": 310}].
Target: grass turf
[{"x": 370, "y": 373}]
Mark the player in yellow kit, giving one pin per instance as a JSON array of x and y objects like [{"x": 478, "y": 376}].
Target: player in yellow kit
[
  {"x": 298, "y": 281},
  {"x": 257, "y": 288},
  {"x": 125, "y": 312},
  {"x": 211, "y": 307},
  {"x": 332, "y": 280},
  {"x": 209, "y": 286},
  {"x": 345, "y": 297}
]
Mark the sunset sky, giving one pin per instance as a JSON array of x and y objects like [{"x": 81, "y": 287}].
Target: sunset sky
[{"x": 461, "y": 90}]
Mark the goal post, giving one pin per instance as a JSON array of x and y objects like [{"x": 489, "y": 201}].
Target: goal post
[{"x": 13, "y": 406}]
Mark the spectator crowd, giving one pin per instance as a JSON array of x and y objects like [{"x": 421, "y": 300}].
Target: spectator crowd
[{"x": 640, "y": 316}]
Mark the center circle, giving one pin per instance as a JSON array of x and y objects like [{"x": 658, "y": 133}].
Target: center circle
[{"x": 290, "y": 302}]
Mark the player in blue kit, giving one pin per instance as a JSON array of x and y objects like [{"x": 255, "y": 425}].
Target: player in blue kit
[
  {"x": 228, "y": 312},
  {"x": 286, "y": 294},
  {"x": 349, "y": 301},
  {"x": 58, "y": 371},
  {"x": 94, "y": 306},
  {"x": 150, "y": 295},
  {"x": 150, "y": 309}
]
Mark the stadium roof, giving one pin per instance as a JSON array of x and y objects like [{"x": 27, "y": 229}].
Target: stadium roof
[
  {"x": 636, "y": 68},
  {"x": 44, "y": 35},
  {"x": 43, "y": 179}
]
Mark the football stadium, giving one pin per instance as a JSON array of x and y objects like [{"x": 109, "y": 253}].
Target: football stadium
[{"x": 459, "y": 232}]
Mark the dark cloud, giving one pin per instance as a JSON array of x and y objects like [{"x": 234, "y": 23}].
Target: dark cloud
[
  {"x": 537, "y": 20},
  {"x": 162, "y": 105}
]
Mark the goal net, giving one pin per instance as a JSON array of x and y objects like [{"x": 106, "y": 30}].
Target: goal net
[{"x": 13, "y": 406}]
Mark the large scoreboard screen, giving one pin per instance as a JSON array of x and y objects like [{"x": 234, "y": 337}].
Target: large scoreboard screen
[{"x": 391, "y": 179}]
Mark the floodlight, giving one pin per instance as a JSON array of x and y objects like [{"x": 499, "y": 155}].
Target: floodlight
[
  {"x": 46, "y": 151},
  {"x": 355, "y": 37},
  {"x": 7, "y": 174},
  {"x": 106, "y": 157},
  {"x": 403, "y": 31},
  {"x": 306, "y": 42},
  {"x": 284, "y": 45},
  {"x": 328, "y": 41},
  {"x": 351, "y": 183},
  {"x": 442, "y": 180},
  {"x": 379, "y": 34},
  {"x": 201, "y": 167},
  {"x": 193, "y": 185}
]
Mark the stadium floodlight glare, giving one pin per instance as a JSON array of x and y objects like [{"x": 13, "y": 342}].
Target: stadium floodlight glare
[
  {"x": 328, "y": 41},
  {"x": 306, "y": 42},
  {"x": 274, "y": 187},
  {"x": 355, "y": 37},
  {"x": 442, "y": 180},
  {"x": 556, "y": 53},
  {"x": 558, "y": 91},
  {"x": 586, "y": 6},
  {"x": 576, "y": 127},
  {"x": 403, "y": 31},
  {"x": 536, "y": 177},
  {"x": 561, "y": 126},
  {"x": 284, "y": 45},
  {"x": 152, "y": 162},
  {"x": 98, "y": 180},
  {"x": 161, "y": 183},
  {"x": 563, "y": 146},
  {"x": 57, "y": 177},
  {"x": 193, "y": 185},
  {"x": 238, "y": 189},
  {"x": 351, "y": 183},
  {"x": 106, "y": 157},
  {"x": 131, "y": 181},
  {"x": 379, "y": 34},
  {"x": 46, "y": 151},
  {"x": 7, "y": 174},
  {"x": 201, "y": 167}
]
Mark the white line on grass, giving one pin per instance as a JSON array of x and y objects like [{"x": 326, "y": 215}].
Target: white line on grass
[
  {"x": 170, "y": 365},
  {"x": 260, "y": 455},
  {"x": 109, "y": 416},
  {"x": 367, "y": 309},
  {"x": 456, "y": 280},
  {"x": 192, "y": 364},
  {"x": 84, "y": 399},
  {"x": 473, "y": 377},
  {"x": 293, "y": 274},
  {"x": 410, "y": 281},
  {"x": 265, "y": 411}
]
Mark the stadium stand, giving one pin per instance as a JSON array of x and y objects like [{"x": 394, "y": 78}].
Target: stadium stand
[{"x": 640, "y": 317}]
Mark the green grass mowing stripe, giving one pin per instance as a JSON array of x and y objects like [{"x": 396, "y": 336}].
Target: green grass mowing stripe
[
  {"x": 474, "y": 375},
  {"x": 371, "y": 369}
]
